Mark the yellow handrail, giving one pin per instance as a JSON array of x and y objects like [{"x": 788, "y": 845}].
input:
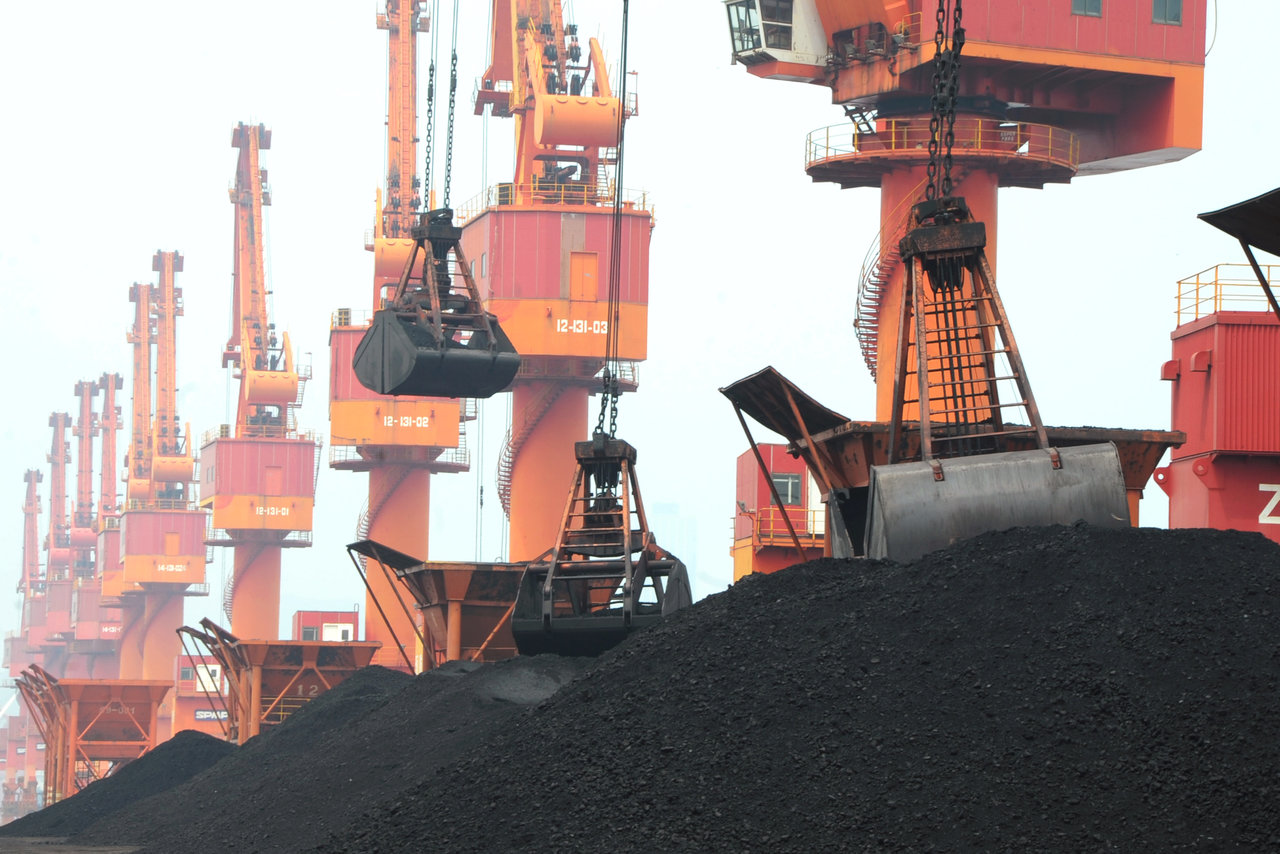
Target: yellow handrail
[
  {"x": 1224, "y": 287},
  {"x": 972, "y": 135}
]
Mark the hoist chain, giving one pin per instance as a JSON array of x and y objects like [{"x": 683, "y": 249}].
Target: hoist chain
[
  {"x": 453, "y": 91},
  {"x": 609, "y": 391},
  {"x": 431, "y": 107},
  {"x": 942, "y": 106}
]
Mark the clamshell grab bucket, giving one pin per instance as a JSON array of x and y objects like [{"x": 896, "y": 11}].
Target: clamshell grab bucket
[
  {"x": 585, "y": 611},
  {"x": 400, "y": 356},
  {"x": 911, "y": 512},
  {"x": 433, "y": 338}
]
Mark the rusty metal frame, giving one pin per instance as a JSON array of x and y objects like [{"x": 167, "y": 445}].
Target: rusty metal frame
[
  {"x": 773, "y": 489},
  {"x": 351, "y": 552}
]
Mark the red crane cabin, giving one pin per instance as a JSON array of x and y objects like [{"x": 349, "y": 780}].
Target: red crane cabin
[{"x": 761, "y": 538}]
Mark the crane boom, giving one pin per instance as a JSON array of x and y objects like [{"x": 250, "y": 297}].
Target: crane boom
[
  {"x": 172, "y": 463},
  {"x": 58, "y": 542},
  {"x": 141, "y": 336},
  {"x": 404, "y": 19},
  {"x": 110, "y": 423},
  {"x": 31, "y": 582}
]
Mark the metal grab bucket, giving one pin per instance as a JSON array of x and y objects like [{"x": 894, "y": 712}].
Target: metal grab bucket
[
  {"x": 911, "y": 513},
  {"x": 585, "y": 613},
  {"x": 399, "y": 356}
]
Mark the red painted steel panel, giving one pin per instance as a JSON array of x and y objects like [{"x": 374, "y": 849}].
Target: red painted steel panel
[
  {"x": 143, "y": 531},
  {"x": 244, "y": 467},
  {"x": 529, "y": 255},
  {"x": 1009, "y": 21},
  {"x": 748, "y": 482},
  {"x": 1122, "y": 23},
  {"x": 108, "y": 549},
  {"x": 1234, "y": 405},
  {"x": 343, "y": 384},
  {"x": 1248, "y": 396},
  {"x": 1225, "y": 492},
  {"x": 58, "y": 607},
  {"x": 1124, "y": 29},
  {"x": 88, "y": 622}
]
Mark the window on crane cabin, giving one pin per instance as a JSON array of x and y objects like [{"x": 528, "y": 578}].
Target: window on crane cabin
[
  {"x": 788, "y": 486},
  {"x": 1166, "y": 12},
  {"x": 777, "y": 23},
  {"x": 1092, "y": 8},
  {"x": 744, "y": 25}
]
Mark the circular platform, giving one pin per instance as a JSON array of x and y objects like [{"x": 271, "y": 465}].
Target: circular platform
[{"x": 1022, "y": 154}]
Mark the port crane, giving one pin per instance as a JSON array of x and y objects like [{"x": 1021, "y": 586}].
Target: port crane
[
  {"x": 162, "y": 552},
  {"x": 565, "y": 323},
  {"x": 945, "y": 105},
  {"x": 258, "y": 475},
  {"x": 400, "y": 441}
]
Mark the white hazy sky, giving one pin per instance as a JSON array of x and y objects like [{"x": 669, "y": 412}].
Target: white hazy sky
[{"x": 116, "y": 143}]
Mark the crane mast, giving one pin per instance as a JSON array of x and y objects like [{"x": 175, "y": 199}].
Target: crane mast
[
  {"x": 31, "y": 584},
  {"x": 403, "y": 20},
  {"x": 142, "y": 337},
  {"x": 58, "y": 541},
  {"x": 82, "y": 535},
  {"x": 108, "y": 498}
]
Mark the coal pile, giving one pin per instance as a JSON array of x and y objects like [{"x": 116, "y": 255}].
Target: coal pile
[
  {"x": 1049, "y": 689},
  {"x": 170, "y": 764}
]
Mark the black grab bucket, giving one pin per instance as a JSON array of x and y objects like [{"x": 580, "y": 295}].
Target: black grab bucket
[{"x": 401, "y": 354}]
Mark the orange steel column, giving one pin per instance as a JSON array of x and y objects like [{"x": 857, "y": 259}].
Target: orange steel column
[
  {"x": 399, "y": 505},
  {"x": 899, "y": 189},
  {"x": 161, "y": 645},
  {"x": 543, "y": 468},
  {"x": 255, "y": 598},
  {"x": 132, "y": 637}
]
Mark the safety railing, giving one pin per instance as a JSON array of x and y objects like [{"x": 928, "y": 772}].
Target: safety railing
[
  {"x": 972, "y": 136},
  {"x": 345, "y": 317},
  {"x": 771, "y": 523},
  {"x": 1224, "y": 287},
  {"x": 257, "y": 431},
  {"x": 550, "y": 194},
  {"x": 161, "y": 504}
]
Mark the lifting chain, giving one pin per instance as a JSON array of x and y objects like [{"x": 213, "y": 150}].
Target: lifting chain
[
  {"x": 431, "y": 104},
  {"x": 609, "y": 379},
  {"x": 942, "y": 106},
  {"x": 453, "y": 91}
]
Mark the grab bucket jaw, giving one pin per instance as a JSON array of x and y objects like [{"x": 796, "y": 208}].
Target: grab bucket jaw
[{"x": 912, "y": 511}]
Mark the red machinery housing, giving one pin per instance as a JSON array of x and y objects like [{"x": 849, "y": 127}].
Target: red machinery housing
[{"x": 1225, "y": 396}]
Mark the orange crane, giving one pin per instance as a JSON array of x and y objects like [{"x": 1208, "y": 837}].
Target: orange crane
[
  {"x": 258, "y": 481},
  {"x": 542, "y": 247},
  {"x": 401, "y": 441},
  {"x": 997, "y": 100},
  {"x": 162, "y": 530}
]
